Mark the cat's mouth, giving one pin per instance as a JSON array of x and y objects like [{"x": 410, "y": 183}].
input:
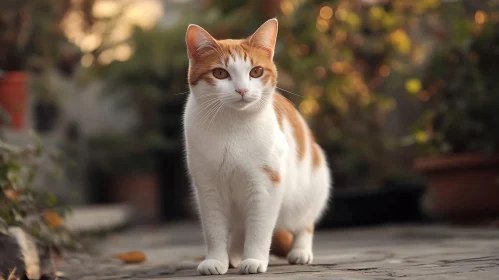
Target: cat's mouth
[
  {"x": 243, "y": 100},
  {"x": 242, "y": 103}
]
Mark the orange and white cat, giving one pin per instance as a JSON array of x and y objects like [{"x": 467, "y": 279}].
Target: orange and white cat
[{"x": 254, "y": 164}]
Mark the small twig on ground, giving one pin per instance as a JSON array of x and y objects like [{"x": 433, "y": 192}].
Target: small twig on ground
[{"x": 12, "y": 275}]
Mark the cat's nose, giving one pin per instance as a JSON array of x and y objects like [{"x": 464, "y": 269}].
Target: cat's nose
[{"x": 242, "y": 91}]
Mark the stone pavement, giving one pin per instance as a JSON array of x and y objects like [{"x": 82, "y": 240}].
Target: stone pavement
[{"x": 387, "y": 252}]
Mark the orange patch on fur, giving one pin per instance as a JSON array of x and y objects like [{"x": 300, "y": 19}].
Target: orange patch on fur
[
  {"x": 284, "y": 109},
  {"x": 316, "y": 156},
  {"x": 274, "y": 175}
]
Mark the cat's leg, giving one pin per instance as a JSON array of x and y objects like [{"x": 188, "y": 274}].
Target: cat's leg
[
  {"x": 262, "y": 209},
  {"x": 301, "y": 252},
  {"x": 236, "y": 248},
  {"x": 214, "y": 219}
]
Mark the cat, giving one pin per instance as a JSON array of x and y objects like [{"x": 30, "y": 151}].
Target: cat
[{"x": 253, "y": 162}]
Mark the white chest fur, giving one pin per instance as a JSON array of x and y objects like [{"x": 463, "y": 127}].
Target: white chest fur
[{"x": 234, "y": 140}]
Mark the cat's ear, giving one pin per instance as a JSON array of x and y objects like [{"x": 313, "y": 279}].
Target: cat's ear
[
  {"x": 198, "y": 41},
  {"x": 265, "y": 36}
]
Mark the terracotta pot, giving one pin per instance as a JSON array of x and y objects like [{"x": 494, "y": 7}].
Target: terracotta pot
[
  {"x": 462, "y": 187},
  {"x": 141, "y": 191},
  {"x": 13, "y": 97}
]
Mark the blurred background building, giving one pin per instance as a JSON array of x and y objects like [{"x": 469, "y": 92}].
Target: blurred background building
[{"x": 403, "y": 95}]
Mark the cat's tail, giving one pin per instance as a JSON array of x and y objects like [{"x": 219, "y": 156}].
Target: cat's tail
[{"x": 281, "y": 243}]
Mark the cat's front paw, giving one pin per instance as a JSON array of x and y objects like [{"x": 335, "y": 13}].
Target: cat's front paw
[
  {"x": 300, "y": 256},
  {"x": 251, "y": 266},
  {"x": 212, "y": 267}
]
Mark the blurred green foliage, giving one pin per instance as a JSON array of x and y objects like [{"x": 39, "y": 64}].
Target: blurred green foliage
[
  {"x": 32, "y": 41},
  {"x": 345, "y": 64},
  {"x": 461, "y": 85},
  {"x": 31, "y": 38},
  {"x": 25, "y": 205},
  {"x": 153, "y": 83}
]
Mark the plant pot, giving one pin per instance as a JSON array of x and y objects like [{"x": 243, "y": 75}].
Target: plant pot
[
  {"x": 178, "y": 203},
  {"x": 141, "y": 191},
  {"x": 13, "y": 97},
  {"x": 46, "y": 114},
  {"x": 396, "y": 202},
  {"x": 462, "y": 188}
]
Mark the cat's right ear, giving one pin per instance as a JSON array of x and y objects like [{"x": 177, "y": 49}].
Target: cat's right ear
[{"x": 198, "y": 41}]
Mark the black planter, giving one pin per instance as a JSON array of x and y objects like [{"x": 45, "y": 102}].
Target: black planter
[
  {"x": 174, "y": 186},
  {"x": 172, "y": 168},
  {"x": 395, "y": 202},
  {"x": 46, "y": 115}
]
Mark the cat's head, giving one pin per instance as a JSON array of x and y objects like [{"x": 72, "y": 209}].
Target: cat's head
[{"x": 239, "y": 73}]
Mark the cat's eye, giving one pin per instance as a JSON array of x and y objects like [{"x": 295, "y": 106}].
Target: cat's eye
[
  {"x": 256, "y": 72},
  {"x": 220, "y": 73}
]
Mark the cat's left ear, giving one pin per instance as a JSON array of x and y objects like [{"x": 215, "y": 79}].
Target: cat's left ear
[
  {"x": 265, "y": 36},
  {"x": 198, "y": 41}
]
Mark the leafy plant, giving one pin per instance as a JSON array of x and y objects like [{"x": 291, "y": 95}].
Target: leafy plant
[
  {"x": 30, "y": 34},
  {"x": 35, "y": 211},
  {"x": 152, "y": 83},
  {"x": 462, "y": 111}
]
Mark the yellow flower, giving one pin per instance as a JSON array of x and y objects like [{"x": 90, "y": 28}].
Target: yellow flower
[
  {"x": 376, "y": 12},
  {"x": 421, "y": 137},
  {"x": 287, "y": 7},
  {"x": 309, "y": 107},
  {"x": 413, "y": 86},
  {"x": 388, "y": 21},
  {"x": 432, "y": 4},
  {"x": 353, "y": 20},
  {"x": 401, "y": 41}
]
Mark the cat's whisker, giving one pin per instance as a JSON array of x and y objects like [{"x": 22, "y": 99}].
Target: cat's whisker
[
  {"x": 201, "y": 121},
  {"x": 206, "y": 101},
  {"x": 287, "y": 91},
  {"x": 204, "y": 106},
  {"x": 209, "y": 117},
  {"x": 285, "y": 112},
  {"x": 263, "y": 101},
  {"x": 215, "y": 114},
  {"x": 296, "y": 106},
  {"x": 180, "y": 93}
]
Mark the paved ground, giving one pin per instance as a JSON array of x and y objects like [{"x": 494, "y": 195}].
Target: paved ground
[{"x": 389, "y": 252}]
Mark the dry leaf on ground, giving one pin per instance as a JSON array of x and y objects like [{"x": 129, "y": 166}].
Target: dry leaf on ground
[
  {"x": 131, "y": 257},
  {"x": 53, "y": 219}
]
